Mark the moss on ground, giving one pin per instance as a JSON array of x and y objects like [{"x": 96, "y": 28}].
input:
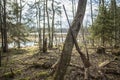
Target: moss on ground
[
  {"x": 42, "y": 74},
  {"x": 50, "y": 78},
  {"x": 10, "y": 74},
  {"x": 27, "y": 78}
]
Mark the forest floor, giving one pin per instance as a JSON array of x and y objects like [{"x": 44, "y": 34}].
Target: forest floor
[{"x": 30, "y": 64}]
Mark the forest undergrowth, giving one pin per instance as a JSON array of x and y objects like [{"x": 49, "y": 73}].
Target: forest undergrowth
[{"x": 29, "y": 64}]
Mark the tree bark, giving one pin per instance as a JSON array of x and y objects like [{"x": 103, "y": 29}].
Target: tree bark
[
  {"x": 61, "y": 26},
  {"x": 44, "y": 47},
  {"x": 0, "y": 29},
  {"x": 5, "y": 46},
  {"x": 48, "y": 22},
  {"x": 39, "y": 32},
  {"x": 92, "y": 19},
  {"x": 52, "y": 36},
  {"x": 68, "y": 46},
  {"x": 73, "y": 11}
]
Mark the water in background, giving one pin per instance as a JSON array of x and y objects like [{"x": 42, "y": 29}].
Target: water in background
[{"x": 22, "y": 44}]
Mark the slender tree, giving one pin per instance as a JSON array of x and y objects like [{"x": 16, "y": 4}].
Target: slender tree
[
  {"x": 61, "y": 25},
  {"x": 39, "y": 32},
  {"x": 20, "y": 18},
  {"x": 53, "y": 17},
  {"x": 38, "y": 22},
  {"x": 73, "y": 11},
  {"x": 44, "y": 39},
  {"x": 113, "y": 17},
  {"x": 1, "y": 23},
  {"x": 1, "y": 30},
  {"x": 92, "y": 18},
  {"x": 5, "y": 46},
  {"x": 48, "y": 22},
  {"x": 18, "y": 21}
]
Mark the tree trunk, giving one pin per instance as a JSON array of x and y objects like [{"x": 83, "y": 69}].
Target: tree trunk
[
  {"x": 18, "y": 17},
  {"x": 20, "y": 11},
  {"x": 0, "y": 58},
  {"x": 1, "y": 24},
  {"x": 44, "y": 47},
  {"x": 92, "y": 19},
  {"x": 5, "y": 47},
  {"x": 68, "y": 46},
  {"x": 73, "y": 11},
  {"x": 1, "y": 29},
  {"x": 103, "y": 13},
  {"x": 61, "y": 26},
  {"x": 18, "y": 44},
  {"x": 52, "y": 24},
  {"x": 39, "y": 32},
  {"x": 48, "y": 22}
]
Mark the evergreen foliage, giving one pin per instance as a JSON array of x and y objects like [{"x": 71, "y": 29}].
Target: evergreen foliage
[{"x": 106, "y": 26}]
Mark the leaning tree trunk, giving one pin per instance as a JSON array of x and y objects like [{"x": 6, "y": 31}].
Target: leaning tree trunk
[{"x": 69, "y": 43}]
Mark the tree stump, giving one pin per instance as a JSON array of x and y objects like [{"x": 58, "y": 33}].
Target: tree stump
[
  {"x": 45, "y": 45},
  {"x": 100, "y": 50}
]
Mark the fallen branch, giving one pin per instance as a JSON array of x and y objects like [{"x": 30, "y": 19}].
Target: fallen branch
[
  {"x": 105, "y": 63},
  {"x": 111, "y": 71},
  {"x": 83, "y": 74},
  {"x": 77, "y": 66}
]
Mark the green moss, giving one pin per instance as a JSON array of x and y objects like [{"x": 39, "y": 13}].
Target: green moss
[
  {"x": 8, "y": 75},
  {"x": 27, "y": 78},
  {"x": 50, "y": 78},
  {"x": 42, "y": 74},
  {"x": 18, "y": 72},
  {"x": 11, "y": 75}
]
